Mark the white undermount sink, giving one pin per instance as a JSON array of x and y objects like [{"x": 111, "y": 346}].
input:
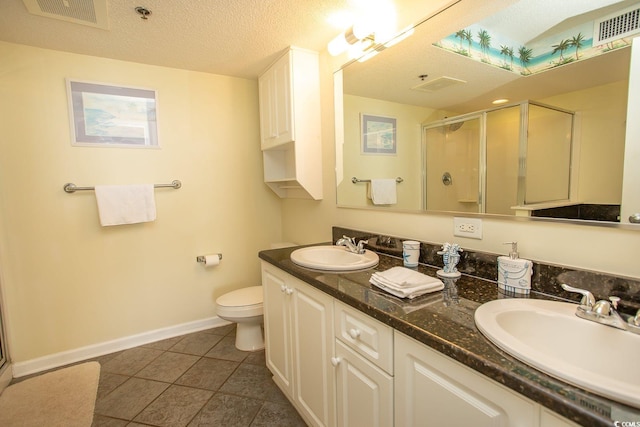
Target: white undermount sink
[
  {"x": 333, "y": 258},
  {"x": 550, "y": 337}
]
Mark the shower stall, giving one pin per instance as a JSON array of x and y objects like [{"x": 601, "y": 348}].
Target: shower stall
[{"x": 498, "y": 161}]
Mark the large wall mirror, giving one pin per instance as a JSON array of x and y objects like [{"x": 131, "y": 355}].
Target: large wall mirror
[{"x": 421, "y": 113}]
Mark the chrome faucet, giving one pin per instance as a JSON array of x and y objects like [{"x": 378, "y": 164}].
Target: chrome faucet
[
  {"x": 603, "y": 312},
  {"x": 351, "y": 245}
]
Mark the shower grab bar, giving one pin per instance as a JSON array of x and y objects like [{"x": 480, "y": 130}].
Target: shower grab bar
[
  {"x": 71, "y": 187},
  {"x": 356, "y": 180}
]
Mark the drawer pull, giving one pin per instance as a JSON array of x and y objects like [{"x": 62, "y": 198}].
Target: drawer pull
[
  {"x": 283, "y": 288},
  {"x": 354, "y": 333},
  {"x": 289, "y": 291},
  {"x": 335, "y": 361}
]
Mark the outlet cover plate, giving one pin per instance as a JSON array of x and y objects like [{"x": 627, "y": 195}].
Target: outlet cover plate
[{"x": 467, "y": 227}]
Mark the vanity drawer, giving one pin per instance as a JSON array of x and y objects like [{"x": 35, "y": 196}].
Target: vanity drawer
[{"x": 367, "y": 336}]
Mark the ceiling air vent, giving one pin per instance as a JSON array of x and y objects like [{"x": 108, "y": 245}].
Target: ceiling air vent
[
  {"x": 437, "y": 84},
  {"x": 85, "y": 12},
  {"x": 624, "y": 23}
]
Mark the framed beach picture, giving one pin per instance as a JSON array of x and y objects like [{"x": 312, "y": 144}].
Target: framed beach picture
[
  {"x": 378, "y": 134},
  {"x": 112, "y": 116}
]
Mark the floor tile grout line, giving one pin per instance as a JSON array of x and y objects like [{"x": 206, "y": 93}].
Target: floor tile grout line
[{"x": 247, "y": 360}]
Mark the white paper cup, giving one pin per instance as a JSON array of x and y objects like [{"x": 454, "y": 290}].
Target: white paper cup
[{"x": 410, "y": 253}]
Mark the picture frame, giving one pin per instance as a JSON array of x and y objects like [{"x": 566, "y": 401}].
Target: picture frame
[
  {"x": 103, "y": 115},
  {"x": 378, "y": 134}
]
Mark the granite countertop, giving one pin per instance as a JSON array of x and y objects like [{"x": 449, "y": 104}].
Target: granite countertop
[{"x": 444, "y": 321}]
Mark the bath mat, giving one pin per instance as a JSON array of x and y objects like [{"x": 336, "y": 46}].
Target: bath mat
[{"x": 65, "y": 397}]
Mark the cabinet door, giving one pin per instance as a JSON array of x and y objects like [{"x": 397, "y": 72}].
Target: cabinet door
[
  {"x": 277, "y": 328},
  {"x": 364, "y": 392},
  {"x": 434, "y": 390},
  {"x": 282, "y": 101},
  {"x": 276, "y": 120},
  {"x": 312, "y": 331},
  {"x": 266, "y": 93}
]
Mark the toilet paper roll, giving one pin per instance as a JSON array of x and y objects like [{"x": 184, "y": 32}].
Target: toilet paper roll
[{"x": 211, "y": 260}]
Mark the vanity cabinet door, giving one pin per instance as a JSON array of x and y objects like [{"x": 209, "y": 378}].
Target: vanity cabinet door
[
  {"x": 312, "y": 330},
  {"x": 277, "y": 328},
  {"x": 434, "y": 390},
  {"x": 364, "y": 392},
  {"x": 298, "y": 323}
]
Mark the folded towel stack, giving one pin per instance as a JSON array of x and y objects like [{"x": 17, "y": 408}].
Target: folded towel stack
[{"x": 405, "y": 283}]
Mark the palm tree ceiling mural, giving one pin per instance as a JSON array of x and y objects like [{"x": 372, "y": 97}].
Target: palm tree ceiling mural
[{"x": 527, "y": 38}]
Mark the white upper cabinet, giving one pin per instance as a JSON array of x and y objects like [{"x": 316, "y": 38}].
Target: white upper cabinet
[{"x": 290, "y": 132}]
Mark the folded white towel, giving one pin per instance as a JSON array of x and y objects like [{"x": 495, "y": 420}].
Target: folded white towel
[
  {"x": 405, "y": 283},
  {"x": 408, "y": 292},
  {"x": 405, "y": 277},
  {"x": 383, "y": 191},
  {"x": 125, "y": 204}
]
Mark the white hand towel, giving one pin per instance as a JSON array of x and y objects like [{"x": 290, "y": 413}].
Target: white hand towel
[
  {"x": 383, "y": 191},
  {"x": 125, "y": 204},
  {"x": 405, "y": 283},
  {"x": 405, "y": 277},
  {"x": 408, "y": 292}
]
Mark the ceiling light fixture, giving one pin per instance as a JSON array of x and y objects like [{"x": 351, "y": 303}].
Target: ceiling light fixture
[
  {"x": 347, "y": 39},
  {"x": 500, "y": 101},
  {"x": 372, "y": 31}
]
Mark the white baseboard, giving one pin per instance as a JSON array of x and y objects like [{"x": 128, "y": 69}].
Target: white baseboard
[{"x": 83, "y": 353}]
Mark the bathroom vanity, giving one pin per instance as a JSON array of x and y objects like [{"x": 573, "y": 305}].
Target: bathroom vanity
[{"x": 346, "y": 353}]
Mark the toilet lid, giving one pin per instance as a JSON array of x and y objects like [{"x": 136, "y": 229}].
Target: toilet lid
[{"x": 241, "y": 297}]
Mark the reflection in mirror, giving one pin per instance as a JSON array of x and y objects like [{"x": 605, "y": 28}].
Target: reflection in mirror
[
  {"x": 452, "y": 166},
  {"x": 420, "y": 84},
  {"x": 513, "y": 160}
]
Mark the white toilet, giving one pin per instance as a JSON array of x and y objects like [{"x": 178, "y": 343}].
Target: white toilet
[{"x": 244, "y": 307}]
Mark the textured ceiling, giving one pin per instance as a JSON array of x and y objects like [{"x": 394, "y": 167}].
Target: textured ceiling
[
  {"x": 230, "y": 37},
  {"x": 243, "y": 37}
]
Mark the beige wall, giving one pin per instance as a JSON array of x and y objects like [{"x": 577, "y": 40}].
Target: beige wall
[
  {"x": 67, "y": 281},
  {"x": 603, "y": 249}
]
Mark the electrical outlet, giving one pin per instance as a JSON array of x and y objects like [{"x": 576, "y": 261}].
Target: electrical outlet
[{"x": 467, "y": 227}]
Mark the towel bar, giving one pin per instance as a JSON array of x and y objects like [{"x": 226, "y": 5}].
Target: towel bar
[
  {"x": 71, "y": 187},
  {"x": 356, "y": 180}
]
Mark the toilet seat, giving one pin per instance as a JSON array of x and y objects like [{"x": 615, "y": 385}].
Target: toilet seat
[{"x": 245, "y": 302}]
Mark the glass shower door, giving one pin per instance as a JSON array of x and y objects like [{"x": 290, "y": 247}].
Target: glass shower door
[{"x": 452, "y": 166}]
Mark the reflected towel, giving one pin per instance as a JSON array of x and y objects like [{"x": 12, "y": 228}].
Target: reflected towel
[
  {"x": 383, "y": 191},
  {"x": 125, "y": 204}
]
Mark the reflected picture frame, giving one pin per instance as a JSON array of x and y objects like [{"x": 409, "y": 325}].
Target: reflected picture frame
[
  {"x": 104, "y": 115},
  {"x": 378, "y": 134}
]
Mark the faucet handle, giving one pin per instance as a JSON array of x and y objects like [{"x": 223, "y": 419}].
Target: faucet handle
[
  {"x": 614, "y": 302},
  {"x": 602, "y": 308},
  {"x": 587, "y": 300}
]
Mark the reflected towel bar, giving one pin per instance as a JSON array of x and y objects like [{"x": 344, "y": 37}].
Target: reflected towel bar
[
  {"x": 71, "y": 187},
  {"x": 356, "y": 180}
]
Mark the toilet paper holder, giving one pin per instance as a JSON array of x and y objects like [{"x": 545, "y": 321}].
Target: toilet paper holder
[{"x": 202, "y": 258}]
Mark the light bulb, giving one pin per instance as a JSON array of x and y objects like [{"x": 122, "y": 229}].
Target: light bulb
[{"x": 338, "y": 45}]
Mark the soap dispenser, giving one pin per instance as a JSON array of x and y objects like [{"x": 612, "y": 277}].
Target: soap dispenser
[{"x": 514, "y": 273}]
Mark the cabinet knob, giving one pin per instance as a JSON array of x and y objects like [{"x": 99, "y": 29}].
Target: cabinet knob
[
  {"x": 283, "y": 288},
  {"x": 289, "y": 291},
  {"x": 335, "y": 361},
  {"x": 354, "y": 333}
]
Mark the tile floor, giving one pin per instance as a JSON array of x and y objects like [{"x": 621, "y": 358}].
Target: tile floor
[{"x": 198, "y": 379}]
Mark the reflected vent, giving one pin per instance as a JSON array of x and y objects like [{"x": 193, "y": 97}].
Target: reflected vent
[
  {"x": 437, "y": 84},
  {"x": 619, "y": 25},
  {"x": 85, "y": 12}
]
